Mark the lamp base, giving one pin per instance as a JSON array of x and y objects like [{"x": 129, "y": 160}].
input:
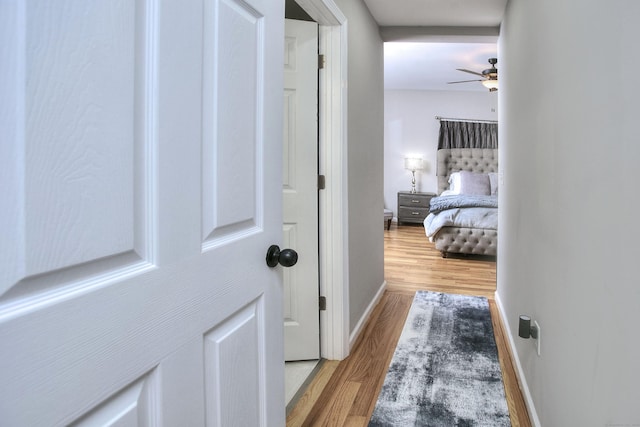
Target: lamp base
[{"x": 413, "y": 181}]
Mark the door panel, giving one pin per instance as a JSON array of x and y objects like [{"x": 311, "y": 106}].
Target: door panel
[
  {"x": 232, "y": 197},
  {"x": 143, "y": 166},
  {"x": 136, "y": 405},
  {"x": 80, "y": 212},
  {"x": 300, "y": 190},
  {"x": 232, "y": 372}
]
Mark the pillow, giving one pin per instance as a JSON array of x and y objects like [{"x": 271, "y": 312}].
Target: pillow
[
  {"x": 454, "y": 184},
  {"x": 474, "y": 183},
  {"x": 493, "y": 182}
]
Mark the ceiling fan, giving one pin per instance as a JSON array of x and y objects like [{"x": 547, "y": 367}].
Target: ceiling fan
[{"x": 489, "y": 76}]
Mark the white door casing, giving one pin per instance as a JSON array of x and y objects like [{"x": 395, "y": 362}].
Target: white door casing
[
  {"x": 300, "y": 190},
  {"x": 141, "y": 169}
]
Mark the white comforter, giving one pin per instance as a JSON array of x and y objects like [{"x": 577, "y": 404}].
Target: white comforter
[{"x": 461, "y": 217}]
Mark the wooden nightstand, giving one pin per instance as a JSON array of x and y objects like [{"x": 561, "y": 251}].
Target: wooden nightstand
[{"x": 413, "y": 207}]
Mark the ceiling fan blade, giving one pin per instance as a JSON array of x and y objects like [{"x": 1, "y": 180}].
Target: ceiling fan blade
[
  {"x": 469, "y": 71},
  {"x": 466, "y": 81}
]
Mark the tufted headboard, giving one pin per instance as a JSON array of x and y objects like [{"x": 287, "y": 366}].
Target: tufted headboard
[{"x": 479, "y": 160}]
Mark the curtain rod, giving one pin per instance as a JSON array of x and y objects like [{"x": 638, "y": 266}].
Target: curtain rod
[{"x": 465, "y": 120}]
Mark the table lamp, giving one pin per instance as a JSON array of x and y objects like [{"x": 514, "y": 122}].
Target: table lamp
[{"x": 413, "y": 164}]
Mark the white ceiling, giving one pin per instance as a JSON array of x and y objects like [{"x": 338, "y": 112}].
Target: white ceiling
[
  {"x": 431, "y": 13},
  {"x": 429, "y": 66},
  {"x": 427, "y": 40}
]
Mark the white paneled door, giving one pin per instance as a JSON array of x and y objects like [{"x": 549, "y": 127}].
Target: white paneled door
[
  {"x": 140, "y": 166},
  {"x": 300, "y": 190}
]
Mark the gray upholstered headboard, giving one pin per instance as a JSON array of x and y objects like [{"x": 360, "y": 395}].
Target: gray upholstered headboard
[{"x": 479, "y": 160}]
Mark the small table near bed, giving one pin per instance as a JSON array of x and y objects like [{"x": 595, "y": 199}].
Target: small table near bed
[{"x": 413, "y": 207}]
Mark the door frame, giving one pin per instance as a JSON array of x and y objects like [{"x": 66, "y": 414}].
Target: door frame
[{"x": 332, "y": 152}]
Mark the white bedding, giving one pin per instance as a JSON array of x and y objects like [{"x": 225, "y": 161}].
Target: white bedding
[{"x": 461, "y": 217}]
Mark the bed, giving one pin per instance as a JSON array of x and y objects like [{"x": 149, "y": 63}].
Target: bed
[{"x": 463, "y": 219}]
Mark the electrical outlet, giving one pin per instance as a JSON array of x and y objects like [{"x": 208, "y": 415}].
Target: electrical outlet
[{"x": 537, "y": 340}]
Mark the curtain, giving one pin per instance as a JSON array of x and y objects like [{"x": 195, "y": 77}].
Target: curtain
[{"x": 467, "y": 134}]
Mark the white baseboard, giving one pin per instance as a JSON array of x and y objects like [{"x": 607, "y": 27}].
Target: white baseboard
[
  {"x": 365, "y": 316},
  {"x": 533, "y": 415}
]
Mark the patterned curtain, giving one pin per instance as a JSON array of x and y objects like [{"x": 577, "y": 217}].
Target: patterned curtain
[{"x": 455, "y": 134}]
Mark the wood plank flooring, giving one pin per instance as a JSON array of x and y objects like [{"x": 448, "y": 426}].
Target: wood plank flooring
[{"x": 344, "y": 393}]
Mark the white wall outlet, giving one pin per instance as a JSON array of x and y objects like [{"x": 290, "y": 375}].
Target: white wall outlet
[{"x": 537, "y": 340}]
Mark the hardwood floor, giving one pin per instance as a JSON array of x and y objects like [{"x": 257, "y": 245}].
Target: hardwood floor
[{"x": 344, "y": 393}]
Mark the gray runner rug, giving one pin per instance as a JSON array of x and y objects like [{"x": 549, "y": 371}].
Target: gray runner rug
[{"x": 445, "y": 369}]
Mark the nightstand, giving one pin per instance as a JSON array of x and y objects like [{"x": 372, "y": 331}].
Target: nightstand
[{"x": 413, "y": 207}]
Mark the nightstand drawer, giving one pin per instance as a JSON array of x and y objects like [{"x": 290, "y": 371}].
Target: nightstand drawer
[
  {"x": 413, "y": 207},
  {"x": 410, "y": 213},
  {"x": 414, "y": 201}
]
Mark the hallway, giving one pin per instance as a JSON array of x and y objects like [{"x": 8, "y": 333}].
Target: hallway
[{"x": 344, "y": 393}]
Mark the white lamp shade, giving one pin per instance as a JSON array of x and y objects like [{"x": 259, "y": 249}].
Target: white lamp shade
[
  {"x": 413, "y": 163},
  {"x": 490, "y": 84}
]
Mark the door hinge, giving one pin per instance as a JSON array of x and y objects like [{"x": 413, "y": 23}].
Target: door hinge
[
  {"x": 320, "y": 62},
  {"x": 323, "y": 303},
  {"x": 321, "y": 182}
]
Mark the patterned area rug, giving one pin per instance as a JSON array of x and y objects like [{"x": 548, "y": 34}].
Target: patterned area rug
[{"x": 445, "y": 370}]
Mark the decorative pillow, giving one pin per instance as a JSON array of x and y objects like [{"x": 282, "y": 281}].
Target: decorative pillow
[
  {"x": 454, "y": 184},
  {"x": 493, "y": 181},
  {"x": 474, "y": 183}
]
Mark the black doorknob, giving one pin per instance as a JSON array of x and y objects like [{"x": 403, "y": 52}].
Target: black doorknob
[{"x": 286, "y": 257}]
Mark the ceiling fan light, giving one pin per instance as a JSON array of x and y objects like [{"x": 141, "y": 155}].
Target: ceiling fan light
[{"x": 490, "y": 84}]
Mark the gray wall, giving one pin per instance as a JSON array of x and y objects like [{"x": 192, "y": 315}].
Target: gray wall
[
  {"x": 569, "y": 153},
  {"x": 365, "y": 150}
]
